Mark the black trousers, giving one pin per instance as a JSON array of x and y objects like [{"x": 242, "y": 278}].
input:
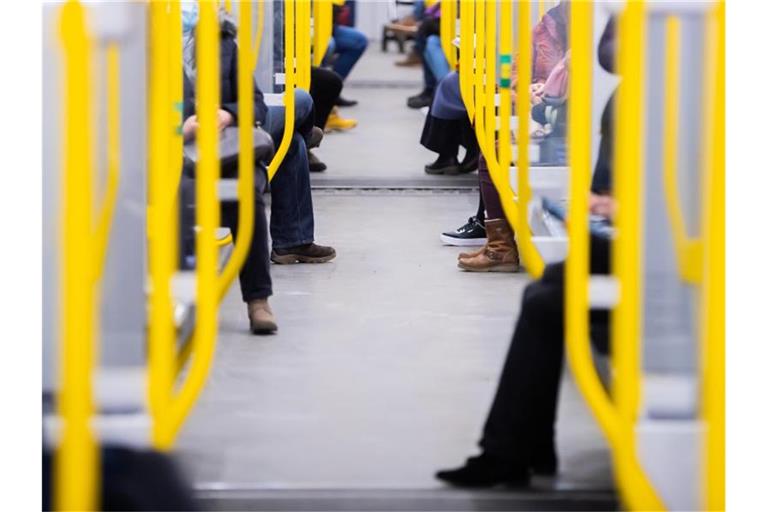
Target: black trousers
[
  {"x": 325, "y": 89},
  {"x": 255, "y": 280},
  {"x": 521, "y": 422}
]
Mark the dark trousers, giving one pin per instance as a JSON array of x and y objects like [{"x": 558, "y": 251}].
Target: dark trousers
[
  {"x": 325, "y": 90},
  {"x": 429, "y": 27},
  {"x": 521, "y": 422},
  {"x": 255, "y": 281},
  {"x": 444, "y": 136}
]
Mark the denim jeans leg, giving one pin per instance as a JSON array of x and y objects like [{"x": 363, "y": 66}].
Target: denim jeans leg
[
  {"x": 292, "y": 221},
  {"x": 304, "y": 116},
  {"x": 350, "y": 45},
  {"x": 435, "y": 58}
]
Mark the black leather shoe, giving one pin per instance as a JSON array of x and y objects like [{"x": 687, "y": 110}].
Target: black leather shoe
[
  {"x": 421, "y": 100},
  {"x": 545, "y": 461},
  {"x": 443, "y": 165},
  {"x": 470, "y": 162},
  {"x": 343, "y": 102},
  {"x": 484, "y": 471},
  {"x": 315, "y": 165}
]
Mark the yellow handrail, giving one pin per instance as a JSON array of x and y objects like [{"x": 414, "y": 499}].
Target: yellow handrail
[
  {"x": 712, "y": 311},
  {"x": 533, "y": 261},
  {"x": 323, "y": 29},
  {"x": 289, "y": 96},
  {"x": 467, "y": 56},
  {"x": 687, "y": 249},
  {"x": 245, "y": 183},
  {"x": 77, "y": 457},
  {"x": 448, "y": 30},
  {"x": 637, "y": 491},
  {"x": 161, "y": 221}
]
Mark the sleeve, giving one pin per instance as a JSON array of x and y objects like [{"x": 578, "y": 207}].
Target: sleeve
[{"x": 232, "y": 106}]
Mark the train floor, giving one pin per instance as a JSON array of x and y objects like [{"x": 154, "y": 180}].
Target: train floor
[{"x": 386, "y": 359}]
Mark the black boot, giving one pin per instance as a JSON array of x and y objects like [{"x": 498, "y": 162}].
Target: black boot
[
  {"x": 423, "y": 99},
  {"x": 486, "y": 471},
  {"x": 445, "y": 164},
  {"x": 343, "y": 102},
  {"x": 471, "y": 161}
]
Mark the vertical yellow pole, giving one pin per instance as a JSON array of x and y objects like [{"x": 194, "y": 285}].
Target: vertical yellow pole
[
  {"x": 290, "y": 85},
  {"x": 467, "y": 56},
  {"x": 532, "y": 259},
  {"x": 159, "y": 142},
  {"x": 448, "y": 30},
  {"x": 77, "y": 458},
  {"x": 489, "y": 90},
  {"x": 713, "y": 286},
  {"x": 505, "y": 99},
  {"x": 303, "y": 44}
]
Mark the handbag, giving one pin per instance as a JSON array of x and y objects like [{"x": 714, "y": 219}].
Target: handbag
[{"x": 229, "y": 149}]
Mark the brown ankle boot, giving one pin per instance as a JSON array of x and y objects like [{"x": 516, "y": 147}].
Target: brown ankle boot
[
  {"x": 478, "y": 252},
  {"x": 261, "y": 317},
  {"x": 499, "y": 254}
]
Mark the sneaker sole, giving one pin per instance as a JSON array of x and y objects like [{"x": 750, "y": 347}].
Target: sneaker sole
[
  {"x": 498, "y": 268},
  {"x": 292, "y": 259},
  {"x": 462, "y": 242}
]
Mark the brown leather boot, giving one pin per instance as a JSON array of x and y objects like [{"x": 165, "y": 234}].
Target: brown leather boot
[
  {"x": 499, "y": 254},
  {"x": 261, "y": 317},
  {"x": 472, "y": 254}
]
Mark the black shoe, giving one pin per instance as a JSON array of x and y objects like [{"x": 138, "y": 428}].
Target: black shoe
[
  {"x": 343, "y": 102},
  {"x": 545, "y": 462},
  {"x": 470, "y": 234},
  {"x": 484, "y": 471},
  {"x": 443, "y": 165},
  {"x": 423, "y": 99},
  {"x": 315, "y": 137},
  {"x": 470, "y": 162},
  {"x": 307, "y": 253},
  {"x": 315, "y": 165}
]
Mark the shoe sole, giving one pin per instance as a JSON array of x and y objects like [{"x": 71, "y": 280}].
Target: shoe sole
[
  {"x": 509, "y": 268},
  {"x": 448, "y": 171},
  {"x": 462, "y": 242},
  {"x": 264, "y": 329},
  {"x": 292, "y": 259}
]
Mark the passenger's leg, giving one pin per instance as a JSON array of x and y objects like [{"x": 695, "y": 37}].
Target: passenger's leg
[
  {"x": 292, "y": 222},
  {"x": 255, "y": 280},
  {"x": 325, "y": 90},
  {"x": 435, "y": 58},
  {"x": 350, "y": 45},
  {"x": 304, "y": 117}
]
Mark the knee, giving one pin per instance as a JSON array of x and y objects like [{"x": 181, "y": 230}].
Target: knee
[
  {"x": 359, "y": 41},
  {"x": 433, "y": 43},
  {"x": 304, "y": 103}
]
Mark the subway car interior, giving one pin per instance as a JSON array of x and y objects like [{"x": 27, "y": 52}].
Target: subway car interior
[{"x": 431, "y": 255}]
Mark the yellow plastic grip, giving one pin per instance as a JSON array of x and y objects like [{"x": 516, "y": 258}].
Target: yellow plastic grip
[{"x": 77, "y": 457}]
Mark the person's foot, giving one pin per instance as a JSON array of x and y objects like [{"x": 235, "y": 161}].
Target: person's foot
[
  {"x": 307, "y": 253},
  {"x": 443, "y": 165},
  {"x": 423, "y": 99},
  {"x": 499, "y": 254},
  {"x": 261, "y": 317},
  {"x": 315, "y": 165},
  {"x": 343, "y": 102},
  {"x": 337, "y": 123},
  {"x": 545, "y": 463},
  {"x": 470, "y": 234},
  {"x": 470, "y": 163},
  {"x": 412, "y": 59},
  {"x": 484, "y": 471},
  {"x": 315, "y": 137}
]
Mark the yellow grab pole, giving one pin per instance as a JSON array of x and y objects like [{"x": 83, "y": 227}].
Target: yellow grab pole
[
  {"x": 323, "y": 12},
  {"x": 489, "y": 89},
  {"x": 637, "y": 491},
  {"x": 687, "y": 249},
  {"x": 77, "y": 457},
  {"x": 712, "y": 312},
  {"x": 467, "y": 56},
  {"x": 303, "y": 44},
  {"x": 161, "y": 331},
  {"x": 204, "y": 336},
  {"x": 505, "y": 99},
  {"x": 289, "y": 96},
  {"x": 246, "y": 167},
  {"x": 448, "y": 30}
]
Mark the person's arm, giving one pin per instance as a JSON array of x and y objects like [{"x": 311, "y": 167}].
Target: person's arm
[{"x": 232, "y": 107}]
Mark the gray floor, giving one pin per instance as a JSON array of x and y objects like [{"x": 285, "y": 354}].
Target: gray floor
[{"x": 387, "y": 358}]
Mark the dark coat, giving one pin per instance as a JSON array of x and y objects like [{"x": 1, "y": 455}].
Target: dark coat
[{"x": 228, "y": 73}]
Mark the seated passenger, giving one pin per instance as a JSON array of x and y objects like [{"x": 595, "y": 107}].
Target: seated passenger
[
  {"x": 346, "y": 47},
  {"x": 292, "y": 216},
  {"x": 519, "y": 434},
  {"x": 430, "y": 50}
]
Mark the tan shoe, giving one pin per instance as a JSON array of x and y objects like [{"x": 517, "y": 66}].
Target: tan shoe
[
  {"x": 412, "y": 59},
  {"x": 478, "y": 252},
  {"x": 500, "y": 253},
  {"x": 261, "y": 317}
]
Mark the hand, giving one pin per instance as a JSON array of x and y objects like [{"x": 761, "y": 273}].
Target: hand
[
  {"x": 225, "y": 119},
  {"x": 189, "y": 128},
  {"x": 602, "y": 205}
]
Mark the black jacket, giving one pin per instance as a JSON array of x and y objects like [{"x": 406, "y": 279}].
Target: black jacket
[{"x": 228, "y": 73}]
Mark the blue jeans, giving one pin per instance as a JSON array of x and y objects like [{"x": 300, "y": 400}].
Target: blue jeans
[
  {"x": 350, "y": 44},
  {"x": 435, "y": 60},
  {"x": 292, "y": 220}
]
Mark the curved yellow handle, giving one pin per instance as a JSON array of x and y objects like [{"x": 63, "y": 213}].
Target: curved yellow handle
[
  {"x": 77, "y": 458},
  {"x": 712, "y": 311},
  {"x": 448, "y": 30},
  {"x": 687, "y": 249},
  {"x": 289, "y": 96},
  {"x": 246, "y": 167}
]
